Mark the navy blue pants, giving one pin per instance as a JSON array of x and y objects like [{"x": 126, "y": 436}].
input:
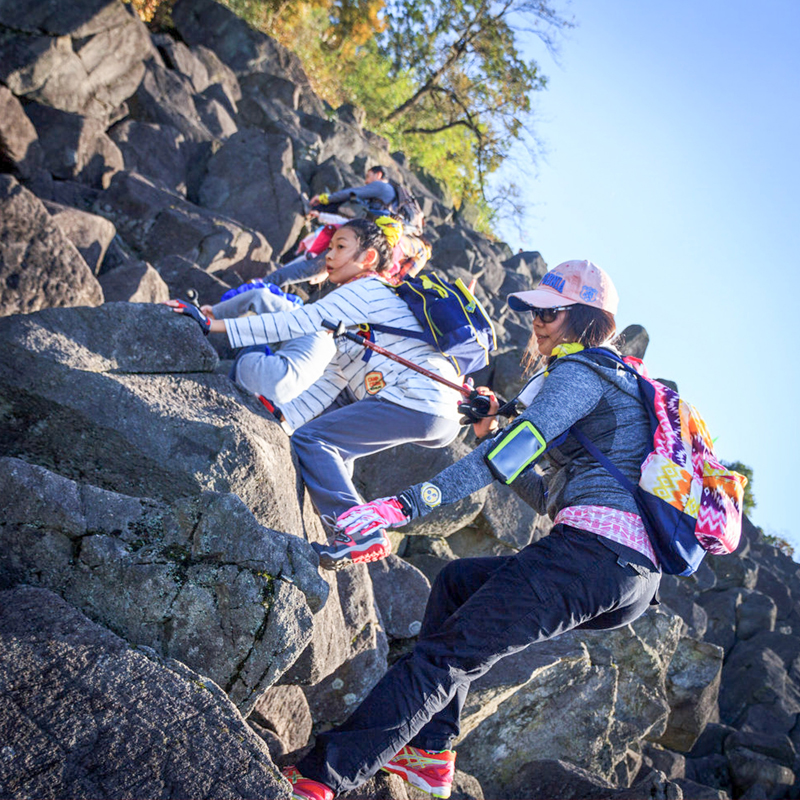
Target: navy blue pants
[{"x": 480, "y": 610}]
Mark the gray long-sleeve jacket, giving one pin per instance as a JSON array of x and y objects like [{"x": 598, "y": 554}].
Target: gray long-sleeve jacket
[
  {"x": 601, "y": 399},
  {"x": 381, "y": 191}
]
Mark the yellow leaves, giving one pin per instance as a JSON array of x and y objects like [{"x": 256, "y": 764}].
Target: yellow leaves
[
  {"x": 154, "y": 12},
  {"x": 146, "y": 9}
]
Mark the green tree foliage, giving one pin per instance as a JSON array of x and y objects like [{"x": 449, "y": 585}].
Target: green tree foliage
[
  {"x": 749, "y": 502},
  {"x": 468, "y": 73}
]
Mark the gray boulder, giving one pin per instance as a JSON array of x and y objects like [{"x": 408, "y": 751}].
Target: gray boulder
[
  {"x": 66, "y": 193},
  {"x": 259, "y": 108},
  {"x": 584, "y": 697},
  {"x": 84, "y": 715},
  {"x": 219, "y": 73},
  {"x": 401, "y": 593},
  {"x": 529, "y": 263},
  {"x": 136, "y": 282},
  {"x": 773, "y": 584},
  {"x": 332, "y": 175},
  {"x": 284, "y": 710},
  {"x": 384, "y": 786},
  {"x": 756, "y": 690},
  {"x": 251, "y": 179},
  {"x": 338, "y": 138},
  {"x": 698, "y": 791},
  {"x": 75, "y": 147},
  {"x": 357, "y": 650},
  {"x": 19, "y": 134},
  {"x": 180, "y": 275},
  {"x": 98, "y": 394},
  {"x": 156, "y": 224},
  {"x": 243, "y": 49},
  {"x": 474, "y": 541},
  {"x": 224, "y": 595},
  {"x": 738, "y": 572},
  {"x": 554, "y": 779},
  {"x": 711, "y": 772},
  {"x": 83, "y": 57},
  {"x": 672, "y": 764},
  {"x": 693, "y": 681},
  {"x": 90, "y": 233},
  {"x": 510, "y": 519},
  {"x": 680, "y": 595},
  {"x": 760, "y": 764},
  {"x": 454, "y": 249},
  {"x": 506, "y": 375},
  {"x": 180, "y": 58},
  {"x": 720, "y": 608},
  {"x": 757, "y": 612},
  {"x": 154, "y": 151},
  {"x": 39, "y": 265},
  {"x": 164, "y": 97},
  {"x": 560, "y": 661},
  {"x": 216, "y": 112},
  {"x": 634, "y": 341}
]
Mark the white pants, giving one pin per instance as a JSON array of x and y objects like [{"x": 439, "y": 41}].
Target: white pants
[{"x": 295, "y": 364}]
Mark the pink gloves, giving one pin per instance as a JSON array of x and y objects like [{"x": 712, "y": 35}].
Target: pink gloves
[{"x": 385, "y": 512}]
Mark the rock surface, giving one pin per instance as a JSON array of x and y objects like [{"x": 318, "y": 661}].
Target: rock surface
[
  {"x": 85, "y": 715},
  {"x": 39, "y": 266},
  {"x": 144, "y": 488},
  {"x": 230, "y": 605}
]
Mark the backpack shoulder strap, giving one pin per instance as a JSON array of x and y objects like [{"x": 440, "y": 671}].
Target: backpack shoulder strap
[
  {"x": 376, "y": 326},
  {"x": 583, "y": 439},
  {"x": 603, "y": 459}
]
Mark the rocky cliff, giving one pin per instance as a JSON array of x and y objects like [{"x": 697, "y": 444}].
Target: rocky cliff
[{"x": 165, "y": 630}]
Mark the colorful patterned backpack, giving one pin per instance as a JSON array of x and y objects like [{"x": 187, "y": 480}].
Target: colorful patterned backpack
[{"x": 690, "y": 503}]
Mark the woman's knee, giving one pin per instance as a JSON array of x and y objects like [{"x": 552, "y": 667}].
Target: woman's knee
[
  {"x": 445, "y": 579},
  {"x": 455, "y": 583},
  {"x": 444, "y": 433}
]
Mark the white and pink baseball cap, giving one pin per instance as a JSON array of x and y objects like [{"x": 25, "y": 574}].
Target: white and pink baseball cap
[{"x": 567, "y": 284}]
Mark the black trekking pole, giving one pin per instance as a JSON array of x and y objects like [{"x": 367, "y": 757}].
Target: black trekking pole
[{"x": 477, "y": 403}]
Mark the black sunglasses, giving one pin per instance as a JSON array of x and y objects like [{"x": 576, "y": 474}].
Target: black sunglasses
[{"x": 547, "y": 314}]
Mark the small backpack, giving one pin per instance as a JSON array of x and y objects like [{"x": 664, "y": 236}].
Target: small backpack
[
  {"x": 407, "y": 207},
  {"x": 452, "y": 320},
  {"x": 689, "y": 502}
]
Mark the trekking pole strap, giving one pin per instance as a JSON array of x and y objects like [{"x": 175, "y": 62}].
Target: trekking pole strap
[{"x": 339, "y": 330}]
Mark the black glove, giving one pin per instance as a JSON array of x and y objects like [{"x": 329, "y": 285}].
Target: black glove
[
  {"x": 195, "y": 313},
  {"x": 474, "y": 408}
]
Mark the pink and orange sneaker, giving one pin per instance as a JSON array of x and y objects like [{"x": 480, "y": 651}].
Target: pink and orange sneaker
[
  {"x": 344, "y": 550},
  {"x": 305, "y": 788},
  {"x": 429, "y": 770}
]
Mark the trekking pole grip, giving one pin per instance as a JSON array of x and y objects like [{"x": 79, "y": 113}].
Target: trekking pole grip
[{"x": 340, "y": 330}]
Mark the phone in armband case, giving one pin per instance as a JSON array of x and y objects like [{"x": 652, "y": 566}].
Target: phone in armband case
[{"x": 514, "y": 451}]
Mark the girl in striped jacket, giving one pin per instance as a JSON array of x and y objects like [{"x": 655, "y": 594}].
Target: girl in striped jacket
[{"x": 360, "y": 405}]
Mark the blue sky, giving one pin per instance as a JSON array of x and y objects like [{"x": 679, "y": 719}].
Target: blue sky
[{"x": 671, "y": 138}]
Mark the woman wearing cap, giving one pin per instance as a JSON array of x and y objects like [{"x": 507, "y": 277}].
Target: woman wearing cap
[{"x": 596, "y": 570}]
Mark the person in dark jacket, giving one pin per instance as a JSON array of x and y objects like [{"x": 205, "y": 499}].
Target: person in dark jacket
[
  {"x": 376, "y": 192},
  {"x": 596, "y": 569}
]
